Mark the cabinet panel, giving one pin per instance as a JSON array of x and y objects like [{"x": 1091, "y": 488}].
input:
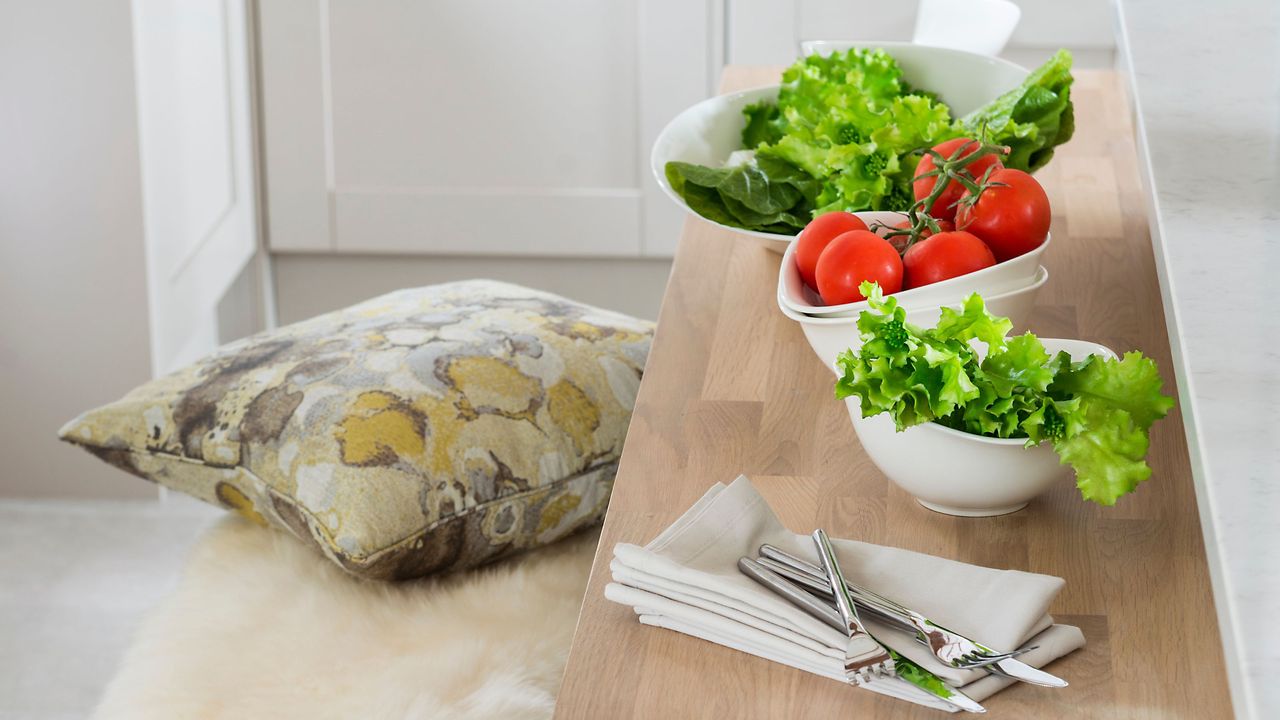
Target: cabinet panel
[
  {"x": 497, "y": 126},
  {"x": 518, "y": 94}
]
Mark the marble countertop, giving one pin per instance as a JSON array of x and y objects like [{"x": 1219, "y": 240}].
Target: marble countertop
[{"x": 1205, "y": 81}]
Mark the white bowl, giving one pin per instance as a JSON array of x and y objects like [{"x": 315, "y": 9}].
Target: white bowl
[
  {"x": 708, "y": 132},
  {"x": 997, "y": 279},
  {"x": 831, "y": 336},
  {"x": 957, "y": 473}
]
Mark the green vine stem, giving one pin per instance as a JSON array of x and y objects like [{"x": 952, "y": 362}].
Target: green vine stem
[{"x": 945, "y": 169}]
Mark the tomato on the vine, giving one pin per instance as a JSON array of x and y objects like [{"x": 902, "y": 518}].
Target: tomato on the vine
[
  {"x": 944, "y": 256},
  {"x": 1011, "y": 216},
  {"x": 817, "y": 235},
  {"x": 943, "y": 208},
  {"x": 852, "y": 258}
]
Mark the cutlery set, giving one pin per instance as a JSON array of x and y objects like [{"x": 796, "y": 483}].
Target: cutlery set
[{"x": 826, "y": 594}]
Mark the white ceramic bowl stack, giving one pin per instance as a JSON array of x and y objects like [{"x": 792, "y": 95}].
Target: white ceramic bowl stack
[{"x": 1008, "y": 288}]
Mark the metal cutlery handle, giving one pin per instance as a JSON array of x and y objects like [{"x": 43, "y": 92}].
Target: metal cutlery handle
[
  {"x": 835, "y": 578},
  {"x": 860, "y": 593},
  {"x": 793, "y": 594},
  {"x": 817, "y": 580}
]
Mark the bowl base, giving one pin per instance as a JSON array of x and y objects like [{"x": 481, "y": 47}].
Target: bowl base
[{"x": 971, "y": 512}]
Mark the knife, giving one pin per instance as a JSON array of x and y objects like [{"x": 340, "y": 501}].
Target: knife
[{"x": 1009, "y": 667}]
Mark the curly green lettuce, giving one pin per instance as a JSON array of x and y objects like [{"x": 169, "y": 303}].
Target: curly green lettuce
[{"x": 1096, "y": 412}]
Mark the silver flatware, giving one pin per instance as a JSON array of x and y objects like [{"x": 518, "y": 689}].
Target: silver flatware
[
  {"x": 865, "y": 658},
  {"x": 947, "y": 645},
  {"x": 819, "y": 609}
]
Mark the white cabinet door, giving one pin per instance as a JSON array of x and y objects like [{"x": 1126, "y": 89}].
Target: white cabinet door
[
  {"x": 195, "y": 129},
  {"x": 476, "y": 127}
]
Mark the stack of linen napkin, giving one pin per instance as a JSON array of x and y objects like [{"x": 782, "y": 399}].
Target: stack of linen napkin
[{"x": 688, "y": 580}]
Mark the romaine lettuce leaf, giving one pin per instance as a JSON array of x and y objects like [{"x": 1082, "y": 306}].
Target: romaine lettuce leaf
[
  {"x": 1033, "y": 118},
  {"x": 765, "y": 194}
]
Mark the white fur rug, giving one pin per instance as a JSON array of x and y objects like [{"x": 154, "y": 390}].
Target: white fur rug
[{"x": 262, "y": 627}]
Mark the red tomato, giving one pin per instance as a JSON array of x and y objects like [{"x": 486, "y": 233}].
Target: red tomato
[
  {"x": 944, "y": 256},
  {"x": 942, "y": 207},
  {"x": 852, "y": 258},
  {"x": 814, "y": 239},
  {"x": 1011, "y": 220}
]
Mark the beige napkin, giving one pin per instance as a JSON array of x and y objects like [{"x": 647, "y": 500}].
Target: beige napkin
[{"x": 687, "y": 580}]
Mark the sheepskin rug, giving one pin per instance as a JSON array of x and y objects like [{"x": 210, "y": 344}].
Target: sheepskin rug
[{"x": 262, "y": 627}]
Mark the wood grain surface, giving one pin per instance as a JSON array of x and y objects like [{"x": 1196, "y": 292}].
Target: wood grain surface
[{"x": 732, "y": 387}]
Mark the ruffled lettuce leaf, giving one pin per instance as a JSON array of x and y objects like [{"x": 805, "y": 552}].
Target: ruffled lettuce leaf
[
  {"x": 1096, "y": 413},
  {"x": 901, "y": 369},
  {"x": 1116, "y": 403},
  {"x": 849, "y": 120}
]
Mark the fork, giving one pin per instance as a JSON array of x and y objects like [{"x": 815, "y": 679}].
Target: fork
[
  {"x": 865, "y": 657},
  {"x": 949, "y": 647}
]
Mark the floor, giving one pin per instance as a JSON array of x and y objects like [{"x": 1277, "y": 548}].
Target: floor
[{"x": 76, "y": 579}]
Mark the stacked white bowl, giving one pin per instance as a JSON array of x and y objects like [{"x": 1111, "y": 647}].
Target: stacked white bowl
[{"x": 1008, "y": 288}]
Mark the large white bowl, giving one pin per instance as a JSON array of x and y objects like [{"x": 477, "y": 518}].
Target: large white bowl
[
  {"x": 999, "y": 278},
  {"x": 708, "y": 132},
  {"x": 956, "y": 473},
  {"x": 831, "y": 336}
]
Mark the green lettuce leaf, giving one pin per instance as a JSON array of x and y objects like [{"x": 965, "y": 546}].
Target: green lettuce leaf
[
  {"x": 766, "y": 194},
  {"x": 763, "y": 124},
  {"x": 1033, "y": 118}
]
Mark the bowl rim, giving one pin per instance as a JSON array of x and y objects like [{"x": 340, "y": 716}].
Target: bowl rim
[
  {"x": 788, "y": 255},
  {"x": 888, "y": 44},
  {"x": 1041, "y": 277},
  {"x": 1004, "y": 442}
]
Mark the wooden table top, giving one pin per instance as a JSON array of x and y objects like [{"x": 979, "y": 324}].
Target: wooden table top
[{"x": 732, "y": 387}]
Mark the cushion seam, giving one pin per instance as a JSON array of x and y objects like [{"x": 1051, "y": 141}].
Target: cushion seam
[{"x": 315, "y": 522}]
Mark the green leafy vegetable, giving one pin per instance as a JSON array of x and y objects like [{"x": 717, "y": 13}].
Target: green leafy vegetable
[
  {"x": 847, "y": 132},
  {"x": 765, "y": 194},
  {"x": 1095, "y": 412},
  {"x": 918, "y": 676},
  {"x": 1033, "y": 118}
]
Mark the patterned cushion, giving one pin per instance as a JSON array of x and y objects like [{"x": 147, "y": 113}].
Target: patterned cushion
[{"x": 428, "y": 429}]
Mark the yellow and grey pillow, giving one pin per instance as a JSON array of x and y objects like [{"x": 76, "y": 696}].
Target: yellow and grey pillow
[{"x": 425, "y": 430}]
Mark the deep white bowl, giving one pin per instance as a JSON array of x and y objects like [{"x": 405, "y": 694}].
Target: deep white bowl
[
  {"x": 999, "y": 278},
  {"x": 957, "y": 473},
  {"x": 708, "y": 132},
  {"x": 831, "y": 336}
]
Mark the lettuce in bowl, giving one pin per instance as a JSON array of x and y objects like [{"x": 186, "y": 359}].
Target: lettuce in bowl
[{"x": 846, "y": 133}]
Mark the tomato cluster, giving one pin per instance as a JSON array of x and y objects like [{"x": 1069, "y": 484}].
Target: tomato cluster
[{"x": 985, "y": 214}]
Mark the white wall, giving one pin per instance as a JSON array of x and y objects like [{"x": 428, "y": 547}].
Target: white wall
[
  {"x": 73, "y": 319},
  {"x": 308, "y": 285}
]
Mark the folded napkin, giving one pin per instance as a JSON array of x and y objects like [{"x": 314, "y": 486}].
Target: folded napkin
[{"x": 687, "y": 580}]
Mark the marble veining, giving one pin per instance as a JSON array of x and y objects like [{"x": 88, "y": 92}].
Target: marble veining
[{"x": 1206, "y": 85}]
